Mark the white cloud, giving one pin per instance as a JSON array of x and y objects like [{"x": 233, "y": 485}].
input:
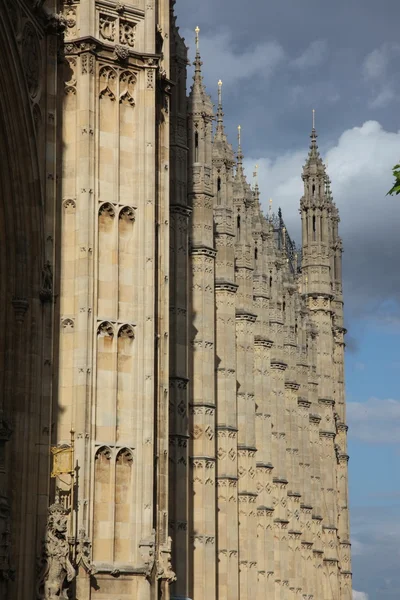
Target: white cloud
[
  {"x": 357, "y": 547},
  {"x": 377, "y": 62},
  {"x": 313, "y": 56},
  {"x": 229, "y": 63},
  {"x": 360, "y": 166},
  {"x": 359, "y": 595},
  {"x": 374, "y": 421},
  {"x": 385, "y": 97}
]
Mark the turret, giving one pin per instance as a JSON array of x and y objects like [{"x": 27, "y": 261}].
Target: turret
[
  {"x": 200, "y": 113},
  {"x": 316, "y": 210},
  {"x": 223, "y": 160}
]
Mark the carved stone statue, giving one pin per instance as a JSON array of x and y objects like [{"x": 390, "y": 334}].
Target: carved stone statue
[
  {"x": 46, "y": 292},
  {"x": 57, "y": 566}
]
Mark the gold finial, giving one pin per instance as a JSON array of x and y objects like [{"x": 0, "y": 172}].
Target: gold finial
[
  {"x": 313, "y": 118},
  {"x": 197, "y": 31},
  {"x": 239, "y": 134},
  {"x": 255, "y": 173}
]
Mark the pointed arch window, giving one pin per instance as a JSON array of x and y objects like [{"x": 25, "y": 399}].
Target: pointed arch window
[
  {"x": 270, "y": 281},
  {"x": 219, "y": 185},
  {"x": 238, "y": 227},
  {"x": 256, "y": 253},
  {"x": 314, "y": 228}
]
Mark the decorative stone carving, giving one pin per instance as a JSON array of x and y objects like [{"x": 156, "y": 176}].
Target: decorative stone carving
[
  {"x": 107, "y": 28},
  {"x": 127, "y": 33},
  {"x": 21, "y": 306},
  {"x": 83, "y": 553},
  {"x": 146, "y": 549},
  {"x": 121, "y": 52},
  {"x": 70, "y": 22},
  {"x": 46, "y": 291},
  {"x": 164, "y": 566},
  {"x": 57, "y": 569}
]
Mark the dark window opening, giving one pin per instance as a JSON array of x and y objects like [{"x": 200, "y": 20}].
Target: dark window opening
[
  {"x": 313, "y": 189},
  {"x": 314, "y": 227},
  {"x": 284, "y": 306},
  {"x": 196, "y": 147},
  {"x": 256, "y": 253},
  {"x": 219, "y": 190},
  {"x": 270, "y": 281},
  {"x": 238, "y": 226}
]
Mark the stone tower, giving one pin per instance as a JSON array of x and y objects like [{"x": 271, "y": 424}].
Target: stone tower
[
  {"x": 114, "y": 290},
  {"x": 172, "y": 416}
]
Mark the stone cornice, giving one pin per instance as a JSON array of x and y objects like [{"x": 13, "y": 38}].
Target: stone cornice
[
  {"x": 292, "y": 385},
  {"x": 226, "y": 428},
  {"x": 128, "y": 57},
  {"x": 278, "y": 364},
  {"x": 262, "y": 465},
  {"x": 327, "y": 434},
  {"x": 267, "y": 509},
  {"x": 222, "y": 285},
  {"x": 314, "y": 418},
  {"x": 280, "y": 480},
  {"x": 243, "y": 315},
  {"x": 303, "y": 402},
  {"x": 181, "y": 209},
  {"x": 203, "y": 251},
  {"x": 342, "y": 427},
  {"x": 326, "y": 401},
  {"x": 260, "y": 340}
]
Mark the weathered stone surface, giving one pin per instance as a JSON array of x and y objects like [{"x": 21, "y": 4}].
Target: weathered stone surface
[{"x": 160, "y": 325}]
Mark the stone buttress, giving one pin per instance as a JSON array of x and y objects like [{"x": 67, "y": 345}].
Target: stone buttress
[
  {"x": 203, "y": 518},
  {"x": 225, "y": 364}
]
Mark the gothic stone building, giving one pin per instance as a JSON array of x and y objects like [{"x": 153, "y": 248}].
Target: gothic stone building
[{"x": 172, "y": 413}]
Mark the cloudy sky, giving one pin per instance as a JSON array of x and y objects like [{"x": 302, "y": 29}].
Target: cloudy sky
[{"x": 278, "y": 61}]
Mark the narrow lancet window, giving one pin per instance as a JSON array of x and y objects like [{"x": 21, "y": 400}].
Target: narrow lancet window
[
  {"x": 196, "y": 147},
  {"x": 238, "y": 227},
  {"x": 314, "y": 228},
  {"x": 219, "y": 190}
]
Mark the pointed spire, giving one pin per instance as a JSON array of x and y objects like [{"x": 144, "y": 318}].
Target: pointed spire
[
  {"x": 220, "y": 112},
  {"x": 198, "y": 96},
  {"x": 256, "y": 189},
  {"x": 239, "y": 152},
  {"x": 255, "y": 177},
  {"x": 314, "y": 157},
  {"x": 197, "y": 61}
]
